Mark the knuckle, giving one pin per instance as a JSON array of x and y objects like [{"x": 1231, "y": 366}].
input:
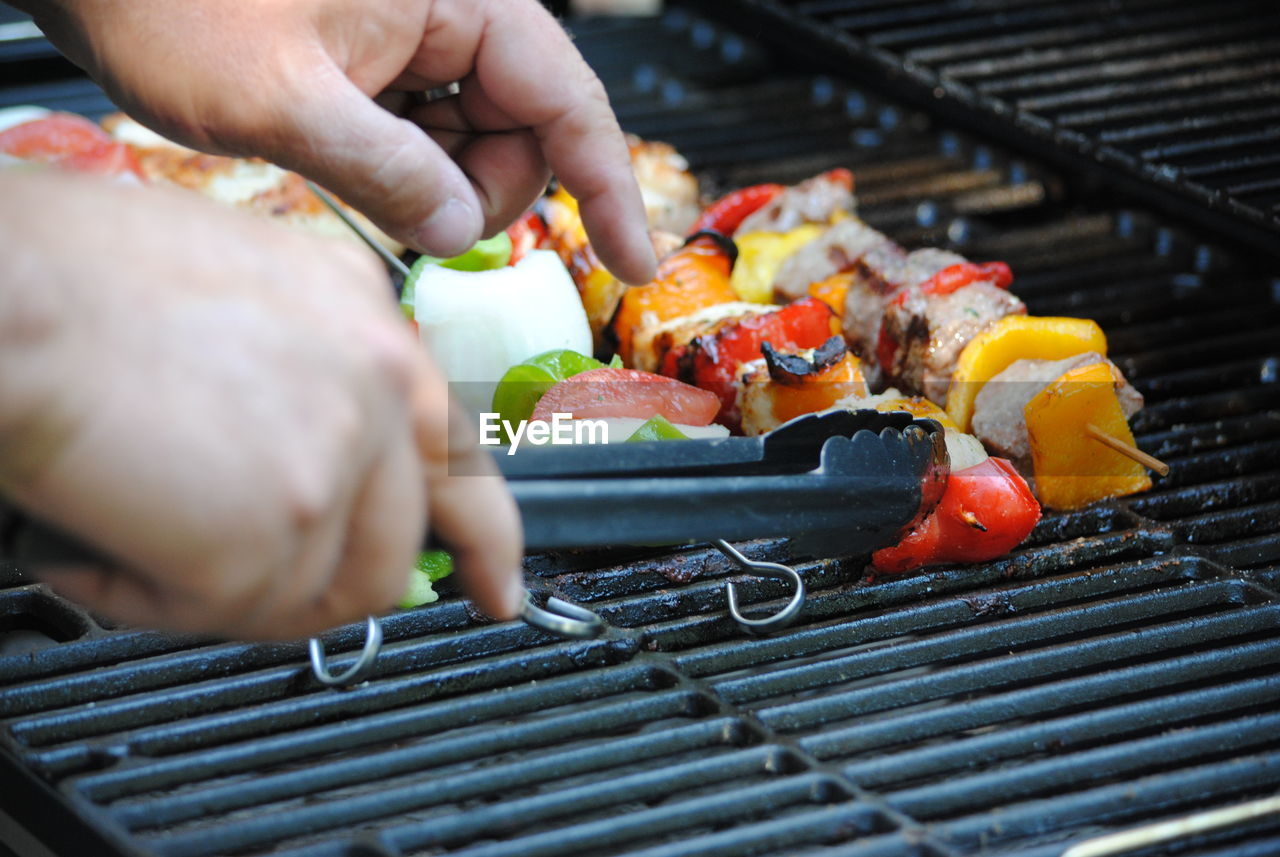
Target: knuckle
[
  {"x": 395, "y": 359},
  {"x": 402, "y": 204},
  {"x": 310, "y": 496}
]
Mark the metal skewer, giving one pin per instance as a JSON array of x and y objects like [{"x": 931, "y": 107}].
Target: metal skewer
[
  {"x": 392, "y": 260},
  {"x": 558, "y": 617},
  {"x": 777, "y": 570}
]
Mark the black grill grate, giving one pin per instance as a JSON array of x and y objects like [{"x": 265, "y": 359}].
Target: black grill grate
[
  {"x": 1122, "y": 667},
  {"x": 1175, "y": 99}
]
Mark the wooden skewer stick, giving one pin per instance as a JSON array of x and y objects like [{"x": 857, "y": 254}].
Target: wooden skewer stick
[
  {"x": 1165, "y": 831},
  {"x": 1127, "y": 449}
]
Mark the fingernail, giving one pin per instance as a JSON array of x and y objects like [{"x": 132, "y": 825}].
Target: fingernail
[
  {"x": 450, "y": 230},
  {"x": 513, "y": 594}
]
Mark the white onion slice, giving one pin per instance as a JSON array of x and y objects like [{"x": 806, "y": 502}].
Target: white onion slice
[
  {"x": 478, "y": 324},
  {"x": 621, "y": 428}
]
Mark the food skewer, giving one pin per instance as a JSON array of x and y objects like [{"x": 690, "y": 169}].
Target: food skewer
[
  {"x": 1148, "y": 461},
  {"x": 392, "y": 260}
]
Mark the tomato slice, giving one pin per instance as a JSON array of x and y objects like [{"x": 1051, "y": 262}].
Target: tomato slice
[
  {"x": 69, "y": 141},
  {"x": 608, "y": 392}
]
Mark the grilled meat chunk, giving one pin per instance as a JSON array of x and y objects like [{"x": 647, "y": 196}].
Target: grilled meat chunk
[
  {"x": 838, "y": 249},
  {"x": 922, "y": 335},
  {"x": 880, "y": 275},
  {"x": 654, "y": 341},
  {"x": 814, "y": 200},
  {"x": 998, "y": 418}
]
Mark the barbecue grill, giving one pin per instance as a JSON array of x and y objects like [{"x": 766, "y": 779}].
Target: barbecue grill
[{"x": 1120, "y": 669}]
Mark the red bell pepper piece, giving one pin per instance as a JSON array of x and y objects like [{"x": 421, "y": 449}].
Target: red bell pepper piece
[
  {"x": 725, "y": 214},
  {"x": 711, "y": 361},
  {"x": 528, "y": 233},
  {"x": 985, "y": 512}
]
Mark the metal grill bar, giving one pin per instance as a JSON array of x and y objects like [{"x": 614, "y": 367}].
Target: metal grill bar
[
  {"x": 720, "y": 807},
  {"x": 1113, "y": 804},
  {"x": 1050, "y": 776},
  {"x": 213, "y": 731},
  {"x": 1035, "y": 703},
  {"x": 998, "y": 673},
  {"x": 779, "y": 836},
  {"x": 297, "y": 749},
  {"x": 285, "y": 822},
  {"x": 1075, "y": 92}
]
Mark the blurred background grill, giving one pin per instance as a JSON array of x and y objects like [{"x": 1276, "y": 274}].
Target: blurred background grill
[
  {"x": 1122, "y": 667},
  {"x": 1176, "y": 101}
]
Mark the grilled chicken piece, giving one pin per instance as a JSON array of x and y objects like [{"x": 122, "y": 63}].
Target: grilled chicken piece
[
  {"x": 669, "y": 190},
  {"x": 998, "y": 416},
  {"x": 251, "y": 184},
  {"x": 712, "y": 358},
  {"x": 651, "y": 344},
  {"x": 814, "y": 200},
  {"x": 784, "y": 385}
]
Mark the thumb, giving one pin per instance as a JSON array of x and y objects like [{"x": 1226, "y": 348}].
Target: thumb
[{"x": 386, "y": 167}]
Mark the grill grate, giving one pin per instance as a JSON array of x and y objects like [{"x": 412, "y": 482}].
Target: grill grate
[
  {"x": 1120, "y": 668},
  {"x": 1177, "y": 101}
]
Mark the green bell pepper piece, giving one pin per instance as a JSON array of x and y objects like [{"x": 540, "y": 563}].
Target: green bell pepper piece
[
  {"x": 430, "y": 567},
  {"x": 525, "y": 383},
  {"x": 657, "y": 427}
]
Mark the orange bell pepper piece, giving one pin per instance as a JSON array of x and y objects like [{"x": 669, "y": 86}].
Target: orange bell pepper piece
[
  {"x": 832, "y": 291},
  {"x": 693, "y": 277}
]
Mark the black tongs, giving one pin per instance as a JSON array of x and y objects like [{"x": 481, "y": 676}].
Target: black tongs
[{"x": 838, "y": 483}]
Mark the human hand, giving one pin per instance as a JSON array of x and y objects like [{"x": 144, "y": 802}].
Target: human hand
[
  {"x": 236, "y": 412},
  {"x": 294, "y": 82}
]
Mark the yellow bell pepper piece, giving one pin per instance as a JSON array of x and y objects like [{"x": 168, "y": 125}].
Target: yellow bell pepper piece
[
  {"x": 1073, "y": 469},
  {"x": 1016, "y": 337},
  {"x": 918, "y": 406},
  {"x": 761, "y": 254},
  {"x": 563, "y": 220}
]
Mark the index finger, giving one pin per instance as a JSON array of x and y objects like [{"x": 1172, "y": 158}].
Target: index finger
[{"x": 530, "y": 71}]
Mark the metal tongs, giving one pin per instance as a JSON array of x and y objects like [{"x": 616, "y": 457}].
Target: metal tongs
[{"x": 836, "y": 483}]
